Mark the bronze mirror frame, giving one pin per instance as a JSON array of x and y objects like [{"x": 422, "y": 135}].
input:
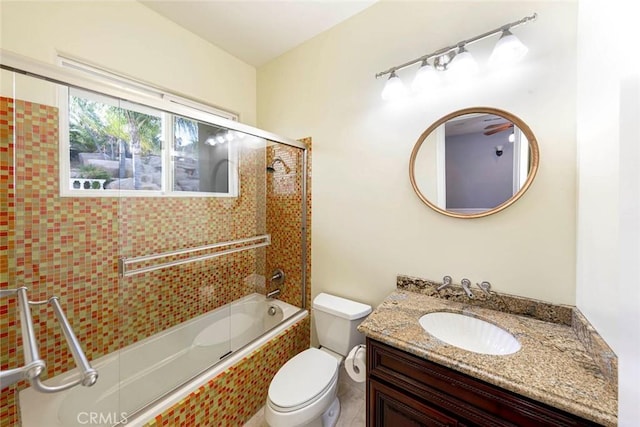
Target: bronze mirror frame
[{"x": 533, "y": 160}]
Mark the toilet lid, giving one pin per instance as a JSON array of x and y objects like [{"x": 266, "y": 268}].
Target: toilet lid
[{"x": 302, "y": 379}]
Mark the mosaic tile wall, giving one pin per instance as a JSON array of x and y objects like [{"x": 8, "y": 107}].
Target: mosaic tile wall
[
  {"x": 232, "y": 397},
  {"x": 8, "y": 325},
  {"x": 69, "y": 247},
  {"x": 284, "y": 219}
]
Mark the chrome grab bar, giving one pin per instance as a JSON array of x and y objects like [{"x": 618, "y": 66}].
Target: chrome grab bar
[
  {"x": 33, "y": 364},
  {"x": 29, "y": 344},
  {"x": 123, "y": 263}
]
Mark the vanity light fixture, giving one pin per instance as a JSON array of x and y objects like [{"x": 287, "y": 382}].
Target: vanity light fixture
[
  {"x": 394, "y": 88},
  {"x": 426, "y": 78},
  {"x": 508, "y": 49},
  {"x": 463, "y": 65},
  {"x": 457, "y": 59}
]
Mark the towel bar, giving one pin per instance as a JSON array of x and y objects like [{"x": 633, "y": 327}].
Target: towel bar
[{"x": 124, "y": 263}]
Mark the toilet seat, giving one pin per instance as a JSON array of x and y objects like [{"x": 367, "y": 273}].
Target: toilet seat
[{"x": 302, "y": 380}]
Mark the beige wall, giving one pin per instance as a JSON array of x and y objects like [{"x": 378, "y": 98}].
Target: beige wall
[
  {"x": 129, "y": 38},
  {"x": 368, "y": 224},
  {"x": 608, "y": 238}
]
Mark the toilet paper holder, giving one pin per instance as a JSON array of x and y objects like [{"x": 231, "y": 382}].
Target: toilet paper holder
[{"x": 356, "y": 369}]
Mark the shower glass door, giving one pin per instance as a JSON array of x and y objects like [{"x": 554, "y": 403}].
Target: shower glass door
[
  {"x": 159, "y": 230},
  {"x": 57, "y": 245}
]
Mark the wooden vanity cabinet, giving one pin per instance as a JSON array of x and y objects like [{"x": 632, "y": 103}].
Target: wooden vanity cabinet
[{"x": 406, "y": 390}]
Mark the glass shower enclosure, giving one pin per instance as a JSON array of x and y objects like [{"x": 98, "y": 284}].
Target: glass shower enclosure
[{"x": 160, "y": 227}]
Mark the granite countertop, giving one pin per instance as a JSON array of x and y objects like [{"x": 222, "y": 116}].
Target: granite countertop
[{"x": 553, "y": 366}]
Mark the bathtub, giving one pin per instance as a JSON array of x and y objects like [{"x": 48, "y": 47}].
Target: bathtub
[{"x": 146, "y": 378}]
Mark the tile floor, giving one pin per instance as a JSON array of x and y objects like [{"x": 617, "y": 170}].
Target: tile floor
[{"x": 351, "y": 395}]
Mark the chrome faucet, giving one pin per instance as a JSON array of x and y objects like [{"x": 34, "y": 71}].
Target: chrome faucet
[
  {"x": 466, "y": 286},
  {"x": 277, "y": 278},
  {"x": 486, "y": 288},
  {"x": 273, "y": 294},
  {"x": 446, "y": 282}
]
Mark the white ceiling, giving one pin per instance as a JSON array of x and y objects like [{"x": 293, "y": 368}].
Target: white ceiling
[
  {"x": 257, "y": 31},
  {"x": 472, "y": 123}
]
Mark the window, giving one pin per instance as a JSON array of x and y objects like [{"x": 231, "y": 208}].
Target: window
[
  {"x": 162, "y": 144},
  {"x": 113, "y": 147}
]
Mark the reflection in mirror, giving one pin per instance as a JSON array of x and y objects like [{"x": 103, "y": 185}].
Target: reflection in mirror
[
  {"x": 202, "y": 155},
  {"x": 474, "y": 162}
]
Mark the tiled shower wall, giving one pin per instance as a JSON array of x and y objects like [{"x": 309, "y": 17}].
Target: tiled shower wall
[
  {"x": 69, "y": 247},
  {"x": 284, "y": 219}
]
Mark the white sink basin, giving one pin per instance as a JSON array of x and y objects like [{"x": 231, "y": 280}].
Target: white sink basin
[{"x": 469, "y": 333}]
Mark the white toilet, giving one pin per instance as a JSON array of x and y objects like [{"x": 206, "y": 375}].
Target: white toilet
[{"x": 304, "y": 391}]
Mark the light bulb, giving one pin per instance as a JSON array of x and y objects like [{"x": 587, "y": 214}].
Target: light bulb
[
  {"x": 463, "y": 65},
  {"x": 394, "y": 89},
  {"x": 512, "y": 137},
  {"x": 426, "y": 78},
  {"x": 508, "y": 50}
]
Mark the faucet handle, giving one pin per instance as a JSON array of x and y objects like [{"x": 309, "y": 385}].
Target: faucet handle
[
  {"x": 446, "y": 282},
  {"x": 486, "y": 287},
  {"x": 466, "y": 285},
  {"x": 278, "y": 276}
]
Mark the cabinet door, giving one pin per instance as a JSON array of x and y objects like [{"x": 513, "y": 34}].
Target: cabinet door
[{"x": 392, "y": 408}]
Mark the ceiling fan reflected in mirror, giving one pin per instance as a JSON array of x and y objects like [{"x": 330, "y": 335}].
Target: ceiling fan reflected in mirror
[{"x": 498, "y": 127}]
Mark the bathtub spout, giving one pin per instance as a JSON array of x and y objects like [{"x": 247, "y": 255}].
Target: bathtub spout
[{"x": 273, "y": 294}]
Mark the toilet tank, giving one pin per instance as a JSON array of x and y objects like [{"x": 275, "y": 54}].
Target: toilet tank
[{"x": 336, "y": 320}]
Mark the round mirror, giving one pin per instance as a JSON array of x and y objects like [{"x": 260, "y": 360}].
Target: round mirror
[{"x": 474, "y": 162}]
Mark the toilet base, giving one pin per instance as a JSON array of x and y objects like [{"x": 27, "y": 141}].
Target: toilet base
[{"x": 330, "y": 416}]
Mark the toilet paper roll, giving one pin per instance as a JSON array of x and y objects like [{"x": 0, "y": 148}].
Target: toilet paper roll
[{"x": 356, "y": 363}]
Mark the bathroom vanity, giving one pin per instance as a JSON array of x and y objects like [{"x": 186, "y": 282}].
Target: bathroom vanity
[
  {"x": 414, "y": 379},
  {"x": 405, "y": 390}
]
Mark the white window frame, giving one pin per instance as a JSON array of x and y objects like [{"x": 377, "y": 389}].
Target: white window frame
[
  {"x": 168, "y": 105},
  {"x": 138, "y": 87}
]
